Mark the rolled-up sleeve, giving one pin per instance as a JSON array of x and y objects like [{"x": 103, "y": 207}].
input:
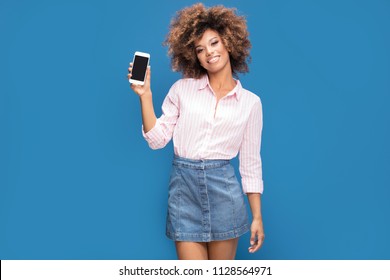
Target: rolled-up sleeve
[
  {"x": 249, "y": 155},
  {"x": 159, "y": 136}
]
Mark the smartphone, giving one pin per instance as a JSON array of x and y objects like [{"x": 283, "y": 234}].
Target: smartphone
[{"x": 140, "y": 65}]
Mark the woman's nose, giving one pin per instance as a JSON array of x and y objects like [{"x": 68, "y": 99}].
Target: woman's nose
[{"x": 209, "y": 51}]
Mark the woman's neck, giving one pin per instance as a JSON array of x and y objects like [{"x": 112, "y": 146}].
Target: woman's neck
[{"x": 221, "y": 81}]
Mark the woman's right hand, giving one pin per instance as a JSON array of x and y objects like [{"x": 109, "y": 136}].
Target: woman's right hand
[{"x": 141, "y": 90}]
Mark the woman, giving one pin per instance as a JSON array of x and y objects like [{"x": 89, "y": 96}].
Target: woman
[{"x": 211, "y": 119}]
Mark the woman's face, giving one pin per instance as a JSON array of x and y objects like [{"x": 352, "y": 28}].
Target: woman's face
[{"x": 211, "y": 52}]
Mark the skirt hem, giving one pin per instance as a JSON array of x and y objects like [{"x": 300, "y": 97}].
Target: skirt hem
[{"x": 207, "y": 237}]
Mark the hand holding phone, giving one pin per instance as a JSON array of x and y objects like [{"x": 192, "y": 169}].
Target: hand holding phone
[{"x": 139, "y": 67}]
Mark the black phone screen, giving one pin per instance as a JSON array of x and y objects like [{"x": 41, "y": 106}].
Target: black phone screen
[{"x": 139, "y": 68}]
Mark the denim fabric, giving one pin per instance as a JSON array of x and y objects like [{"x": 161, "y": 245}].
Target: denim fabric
[{"x": 205, "y": 201}]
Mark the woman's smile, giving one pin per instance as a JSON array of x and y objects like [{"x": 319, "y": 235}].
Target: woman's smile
[{"x": 213, "y": 59}]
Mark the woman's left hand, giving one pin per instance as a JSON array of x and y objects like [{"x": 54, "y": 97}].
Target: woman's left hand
[{"x": 257, "y": 235}]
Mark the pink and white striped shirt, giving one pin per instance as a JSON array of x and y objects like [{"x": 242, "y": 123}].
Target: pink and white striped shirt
[{"x": 203, "y": 129}]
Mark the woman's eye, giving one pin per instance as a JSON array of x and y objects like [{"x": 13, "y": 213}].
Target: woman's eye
[
  {"x": 214, "y": 43},
  {"x": 199, "y": 50}
]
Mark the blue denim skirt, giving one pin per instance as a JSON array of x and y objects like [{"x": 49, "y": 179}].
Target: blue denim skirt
[{"x": 205, "y": 201}]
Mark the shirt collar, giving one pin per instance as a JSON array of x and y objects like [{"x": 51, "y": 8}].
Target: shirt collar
[{"x": 237, "y": 91}]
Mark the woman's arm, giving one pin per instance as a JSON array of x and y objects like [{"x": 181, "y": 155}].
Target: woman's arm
[
  {"x": 251, "y": 173},
  {"x": 157, "y": 132},
  {"x": 257, "y": 231},
  {"x": 148, "y": 115},
  {"x": 145, "y": 95}
]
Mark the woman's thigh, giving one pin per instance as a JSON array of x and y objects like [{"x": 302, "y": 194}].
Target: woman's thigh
[
  {"x": 222, "y": 250},
  {"x": 191, "y": 250}
]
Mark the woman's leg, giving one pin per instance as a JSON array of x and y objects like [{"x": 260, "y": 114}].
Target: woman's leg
[
  {"x": 222, "y": 250},
  {"x": 191, "y": 250}
]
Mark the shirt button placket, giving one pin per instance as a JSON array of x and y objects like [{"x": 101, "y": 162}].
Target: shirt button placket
[{"x": 210, "y": 127}]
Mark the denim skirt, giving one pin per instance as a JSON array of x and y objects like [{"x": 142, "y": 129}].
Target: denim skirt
[{"x": 205, "y": 201}]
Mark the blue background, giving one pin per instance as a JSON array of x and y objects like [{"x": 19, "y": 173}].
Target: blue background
[{"x": 78, "y": 181}]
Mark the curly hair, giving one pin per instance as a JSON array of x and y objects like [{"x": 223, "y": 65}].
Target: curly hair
[{"x": 190, "y": 23}]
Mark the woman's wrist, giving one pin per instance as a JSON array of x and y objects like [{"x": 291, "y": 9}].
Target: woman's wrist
[
  {"x": 255, "y": 205},
  {"x": 146, "y": 96}
]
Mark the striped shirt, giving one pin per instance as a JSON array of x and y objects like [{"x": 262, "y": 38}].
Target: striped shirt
[{"x": 203, "y": 129}]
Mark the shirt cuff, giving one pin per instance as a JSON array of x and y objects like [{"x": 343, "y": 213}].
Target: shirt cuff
[
  {"x": 153, "y": 136},
  {"x": 252, "y": 186}
]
